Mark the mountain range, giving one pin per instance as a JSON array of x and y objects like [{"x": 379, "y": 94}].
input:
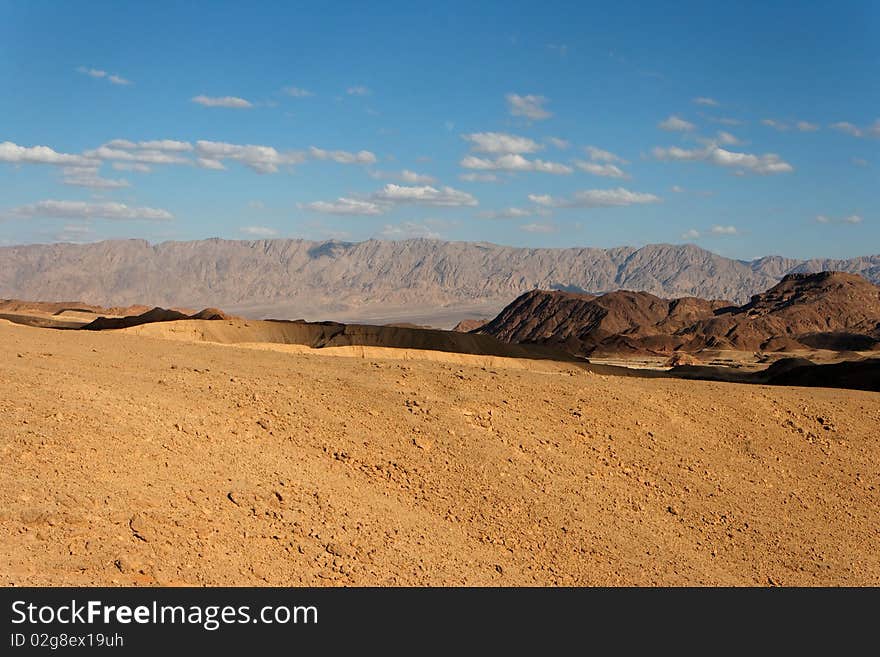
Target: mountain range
[{"x": 424, "y": 281}]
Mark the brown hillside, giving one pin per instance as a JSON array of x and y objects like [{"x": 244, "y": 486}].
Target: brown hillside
[{"x": 829, "y": 310}]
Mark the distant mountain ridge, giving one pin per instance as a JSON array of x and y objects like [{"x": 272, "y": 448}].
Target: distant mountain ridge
[{"x": 289, "y": 278}]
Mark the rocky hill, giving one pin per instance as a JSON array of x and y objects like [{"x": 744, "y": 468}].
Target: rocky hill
[
  {"x": 829, "y": 310},
  {"x": 347, "y": 281}
]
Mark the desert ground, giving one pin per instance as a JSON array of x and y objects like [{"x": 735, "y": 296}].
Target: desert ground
[{"x": 129, "y": 458}]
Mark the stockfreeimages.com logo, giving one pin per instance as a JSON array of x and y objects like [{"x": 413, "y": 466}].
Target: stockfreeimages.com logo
[{"x": 210, "y": 617}]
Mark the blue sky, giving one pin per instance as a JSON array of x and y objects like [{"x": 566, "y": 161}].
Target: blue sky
[{"x": 750, "y": 130}]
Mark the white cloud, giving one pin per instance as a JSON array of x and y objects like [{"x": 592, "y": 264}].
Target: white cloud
[
  {"x": 724, "y": 120},
  {"x": 358, "y": 90},
  {"x": 724, "y": 230},
  {"x": 691, "y": 234},
  {"x": 98, "y": 73},
  {"x": 105, "y": 152},
  {"x": 407, "y": 176},
  {"x": 131, "y": 166},
  {"x": 776, "y": 125},
  {"x": 346, "y": 206},
  {"x": 766, "y": 164},
  {"x": 210, "y": 163},
  {"x": 605, "y": 170},
  {"x": 258, "y": 231},
  {"x": 596, "y": 198},
  {"x": 872, "y": 130},
  {"x": 676, "y": 124},
  {"x": 531, "y": 107},
  {"x": 556, "y": 142},
  {"x": 170, "y": 145},
  {"x": 297, "y": 92},
  {"x": 703, "y": 100},
  {"x": 599, "y": 155},
  {"x": 852, "y": 219},
  {"x": 848, "y": 128},
  {"x": 424, "y": 195},
  {"x": 343, "y": 157},
  {"x": 89, "y": 177},
  {"x": 223, "y": 101},
  {"x": 727, "y": 139},
  {"x": 501, "y": 143},
  {"x": 478, "y": 177},
  {"x": 410, "y": 230},
  {"x": 539, "y": 228},
  {"x": 15, "y": 154},
  {"x": 677, "y": 189},
  {"x": 84, "y": 210},
  {"x": 514, "y": 162},
  {"x": 806, "y": 126},
  {"x": 512, "y": 213},
  {"x": 262, "y": 159}
]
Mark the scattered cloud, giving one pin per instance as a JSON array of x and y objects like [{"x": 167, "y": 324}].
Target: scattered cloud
[
  {"x": 214, "y": 165},
  {"x": 424, "y": 195},
  {"x": 766, "y": 164},
  {"x": 479, "y": 177},
  {"x": 691, "y": 234},
  {"x": 605, "y": 170},
  {"x": 258, "y": 231},
  {"x": 776, "y": 125},
  {"x": 74, "y": 233},
  {"x": 848, "y": 128},
  {"x": 676, "y": 124},
  {"x": 98, "y": 73},
  {"x": 262, "y": 159},
  {"x": 297, "y": 92},
  {"x": 727, "y": 139},
  {"x": 346, "y": 206},
  {"x": 85, "y": 210},
  {"x": 530, "y": 107},
  {"x": 407, "y": 176},
  {"x": 410, "y": 230},
  {"x": 514, "y": 162},
  {"x": 560, "y": 48},
  {"x": 343, "y": 157},
  {"x": 806, "y": 126},
  {"x": 677, "y": 189},
  {"x": 596, "y": 198},
  {"x": 106, "y": 152},
  {"x": 501, "y": 143},
  {"x": 556, "y": 142},
  {"x": 599, "y": 155},
  {"x": 724, "y": 230},
  {"x": 15, "y": 154},
  {"x": 539, "y": 228},
  {"x": 131, "y": 166},
  {"x": 726, "y": 120},
  {"x": 852, "y": 219},
  {"x": 223, "y": 101},
  {"x": 89, "y": 177},
  {"x": 709, "y": 102},
  {"x": 169, "y": 145},
  {"x": 872, "y": 130},
  {"x": 512, "y": 213},
  {"x": 358, "y": 90}
]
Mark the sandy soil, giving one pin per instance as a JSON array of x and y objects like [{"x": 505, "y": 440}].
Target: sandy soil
[{"x": 135, "y": 460}]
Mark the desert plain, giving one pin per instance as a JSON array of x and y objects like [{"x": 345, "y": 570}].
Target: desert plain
[{"x": 131, "y": 458}]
